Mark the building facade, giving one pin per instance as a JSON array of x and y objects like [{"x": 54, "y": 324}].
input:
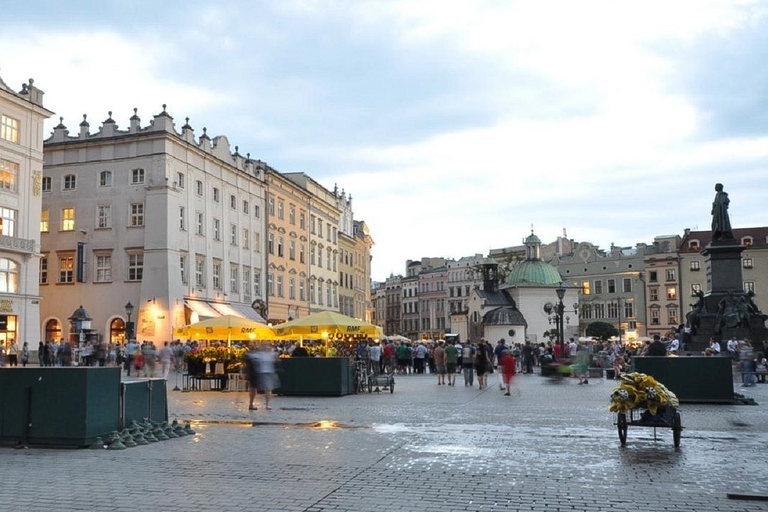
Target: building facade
[
  {"x": 464, "y": 275},
  {"x": 160, "y": 219},
  {"x": 663, "y": 287},
  {"x": 693, "y": 274},
  {"x": 287, "y": 248},
  {"x": 393, "y": 319},
  {"x": 379, "y": 299},
  {"x": 611, "y": 286},
  {"x": 361, "y": 264},
  {"x": 410, "y": 288},
  {"x": 347, "y": 300},
  {"x": 324, "y": 220},
  {"x": 433, "y": 302},
  {"x": 21, "y": 173}
]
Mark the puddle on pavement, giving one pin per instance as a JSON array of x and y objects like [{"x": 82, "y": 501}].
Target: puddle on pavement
[{"x": 318, "y": 425}]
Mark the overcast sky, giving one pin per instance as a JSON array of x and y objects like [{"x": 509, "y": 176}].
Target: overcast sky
[{"x": 455, "y": 125}]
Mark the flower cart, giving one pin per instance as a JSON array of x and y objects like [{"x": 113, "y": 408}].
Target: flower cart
[{"x": 641, "y": 401}]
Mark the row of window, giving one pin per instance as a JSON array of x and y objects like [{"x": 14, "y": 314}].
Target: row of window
[
  {"x": 746, "y": 241},
  {"x": 745, "y": 263},
  {"x": 102, "y": 268},
  {"x": 137, "y": 176},
  {"x": 279, "y": 211},
  {"x": 671, "y": 275},
  {"x": 69, "y": 181},
  {"x": 456, "y": 291},
  {"x": 672, "y": 316},
  {"x": 247, "y": 281},
  {"x": 319, "y": 292},
  {"x": 596, "y": 286},
  {"x": 331, "y": 232},
  {"x": 435, "y": 286},
  {"x": 671, "y": 291},
  {"x": 103, "y": 218},
  {"x": 426, "y": 324},
  {"x": 610, "y": 310}
]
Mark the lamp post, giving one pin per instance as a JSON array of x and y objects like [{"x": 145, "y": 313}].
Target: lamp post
[
  {"x": 557, "y": 316},
  {"x": 618, "y": 313},
  {"x": 128, "y": 324},
  {"x": 560, "y": 291}
]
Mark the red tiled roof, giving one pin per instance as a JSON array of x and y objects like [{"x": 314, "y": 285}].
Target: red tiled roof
[{"x": 704, "y": 237}]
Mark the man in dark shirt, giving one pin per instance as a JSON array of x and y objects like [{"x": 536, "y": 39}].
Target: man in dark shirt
[
  {"x": 528, "y": 357},
  {"x": 657, "y": 347}
]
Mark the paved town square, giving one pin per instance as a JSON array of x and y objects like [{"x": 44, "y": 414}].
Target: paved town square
[{"x": 423, "y": 447}]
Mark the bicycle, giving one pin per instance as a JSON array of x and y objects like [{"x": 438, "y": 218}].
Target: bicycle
[{"x": 363, "y": 381}]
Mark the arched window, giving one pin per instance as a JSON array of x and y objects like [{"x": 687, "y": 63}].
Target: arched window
[
  {"x": 117, "y": 331},
  {"x": 9, "y": 276},
  {"x": 52, "y": 330}
]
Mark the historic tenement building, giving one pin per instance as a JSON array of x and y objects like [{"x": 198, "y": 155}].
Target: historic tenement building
[
  {"x": 663, "y": 289},
  {"x": 754, "y": 265},
  {"x": 171, "y": 223},
  {"x": 21, "y": 179},
  {"x": 610, "y": 283}
]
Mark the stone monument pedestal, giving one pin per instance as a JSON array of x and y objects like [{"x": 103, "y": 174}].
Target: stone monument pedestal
[{"x": 724, "y": 312}]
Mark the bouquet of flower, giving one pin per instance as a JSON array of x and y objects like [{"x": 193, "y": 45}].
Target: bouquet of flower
[{"x": 639, "y": 390}]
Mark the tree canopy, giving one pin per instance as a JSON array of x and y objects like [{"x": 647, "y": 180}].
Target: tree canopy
[{"x": 601, "y": 330}]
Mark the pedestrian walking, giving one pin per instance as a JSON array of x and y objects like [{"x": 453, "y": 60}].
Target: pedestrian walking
[
  {"x": 420, "y": 357},
  {"x": 507, "y": 368},
  {"x": 166, "y": 359},
  {"x": 482, "y": 364},
  {"x": 130, "y": 352},
  {"x": 150, "y": 358},
  {"x": 260, "y": 371},
  {"x": 374, "y": 358},
  {"x": 440, "y": 368},
  {"x": 138, "y": 361},
  {"x": 13, "y": 353},
  {"x": 468, "y": 363},
  {"x": 498, "y": 351},
  {"x": 24, "y": 354},
  {"x": 451, "y": 355}
]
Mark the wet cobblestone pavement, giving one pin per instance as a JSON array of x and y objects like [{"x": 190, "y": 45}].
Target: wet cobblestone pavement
[{"x": 424, "y": 447}]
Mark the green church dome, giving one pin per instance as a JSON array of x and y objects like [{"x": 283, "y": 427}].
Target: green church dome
[
  {"x": 534, "y": 272},
  {"x": 532, "y": 239}
]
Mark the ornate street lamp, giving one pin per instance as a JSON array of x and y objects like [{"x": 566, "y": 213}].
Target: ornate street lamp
[
  {"x": 128, "y": 324},
  {"x": 556, "y": 314},
  {"x": 560, "y": 291}
]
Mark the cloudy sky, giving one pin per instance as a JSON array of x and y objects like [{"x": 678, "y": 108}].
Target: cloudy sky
[{"x": 455, "y": 125}]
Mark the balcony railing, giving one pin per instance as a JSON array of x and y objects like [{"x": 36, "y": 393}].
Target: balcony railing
[{"x": 11, "y": 243}]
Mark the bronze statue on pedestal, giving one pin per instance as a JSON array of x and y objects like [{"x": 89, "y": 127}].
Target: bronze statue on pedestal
[{"x": 721, "y": 223}]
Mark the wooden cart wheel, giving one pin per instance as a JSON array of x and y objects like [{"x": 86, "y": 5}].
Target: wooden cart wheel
[
  {"x": 677, "y": 428},
  {"x": 621, "y": 424}
]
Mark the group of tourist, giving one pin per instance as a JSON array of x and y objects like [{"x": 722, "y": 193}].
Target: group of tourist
[{"x": 144, "y": 358}]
